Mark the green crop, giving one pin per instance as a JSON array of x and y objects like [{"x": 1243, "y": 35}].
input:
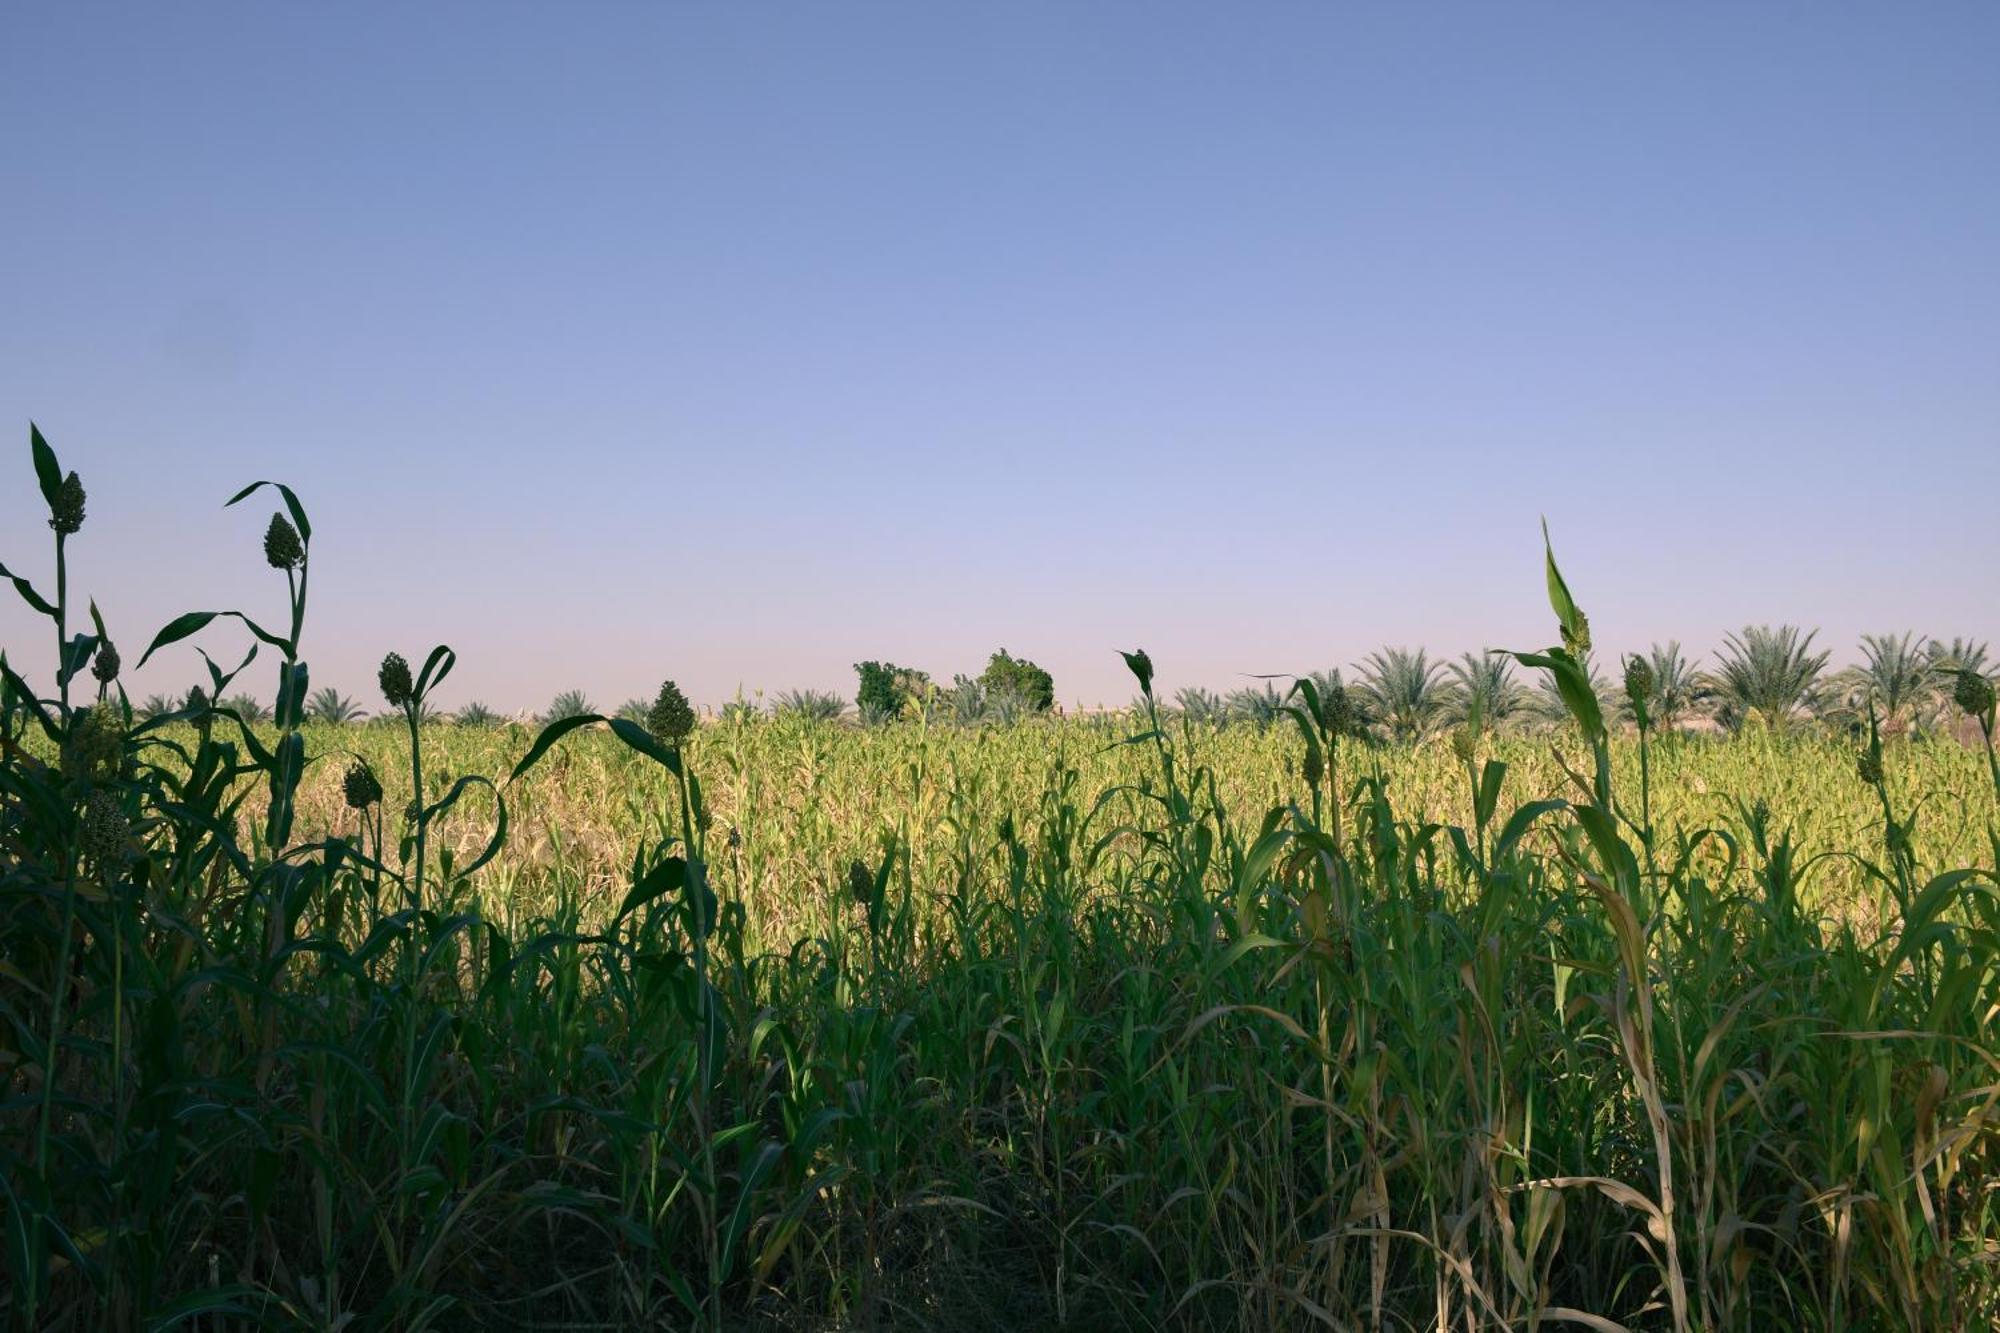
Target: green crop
[{"x": 1137, "y": 1021}]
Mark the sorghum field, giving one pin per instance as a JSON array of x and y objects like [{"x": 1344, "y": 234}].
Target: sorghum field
[{"x": 1114, "y": 1022}]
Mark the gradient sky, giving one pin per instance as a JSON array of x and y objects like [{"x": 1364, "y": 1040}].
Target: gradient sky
[{"x": 739, "y": 342}]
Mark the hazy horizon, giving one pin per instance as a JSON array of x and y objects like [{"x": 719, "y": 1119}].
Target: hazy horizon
[{"x": 614, "y": 345}]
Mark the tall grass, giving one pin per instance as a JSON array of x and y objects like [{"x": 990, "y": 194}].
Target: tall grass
[{"x": 1141, "y": 1024}]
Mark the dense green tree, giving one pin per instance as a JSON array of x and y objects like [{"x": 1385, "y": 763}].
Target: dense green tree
[
  {"x": 1017, "y": 676},
  {"x": 885, "y": 688}
]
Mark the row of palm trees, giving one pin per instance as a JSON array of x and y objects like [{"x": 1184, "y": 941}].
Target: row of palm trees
[{"x": 1762, "y": 674}]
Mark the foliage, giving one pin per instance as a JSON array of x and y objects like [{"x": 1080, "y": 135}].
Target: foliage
[
  {"x": 1020, "y": 678},
  {"x": 1405, "y": 692},
  {"x": 1765, "y": 673},
  {"x": 330, "y": 706},
  {"x": 568, "y": 704},
  {"x": 887, "y": 691},
  {"x": 809, "y": 705},
  {"x": 475, "y": 714},
  {"x": 1084, "y": 1023},
  {"x": 1483, "y": 684}
]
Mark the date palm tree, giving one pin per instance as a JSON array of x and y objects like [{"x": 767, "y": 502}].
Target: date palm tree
[
  {"x": 809, "y": 705},
  {"x": 1678, "y": 690},
  {"x": 475, "y": 714},
  {"x": 1199, "y": 705},
  {"x": 330, "y": 705},
  {"x": 570, "y": 703},
  {"x": 1405, "y": 691},
  {"x": 1896, "y": 674},
  {"x": 1765, "y": 672},
  {"x": 1260, "y": 706},
  {"x": 1484, "y": 681}
]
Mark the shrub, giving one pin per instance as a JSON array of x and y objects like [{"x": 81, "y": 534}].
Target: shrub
[
  {"x": 1017, "y": 676},
  {"x": 886, "y": 689}
]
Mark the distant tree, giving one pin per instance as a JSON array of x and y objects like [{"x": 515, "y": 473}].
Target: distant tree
[
  {"x": 1767, "y": 672},
  {"x": 247, "y": 707},
  {"x": 1006, "y": 674},
  {"x": 570, "y": 703},
  {"x": 1484, "y": 681},
  {"x": 1677, "y": 688},
  {"x": 809, "y": 705},
  {"x": 886, "y": 689},
  {"x": 475, "y": 714},
  {"x": 1260, "y": 706},
  {"x": 1896, "y": 674},
  {"x": 965, "y": 701},
  {"x": 1204, "y": 706},
  {"x": 155, "y": 705},
  {"x": 1405, "y": 690},
  {"x": 633, "y": 710},
  {"x": 329, "y": 705}
]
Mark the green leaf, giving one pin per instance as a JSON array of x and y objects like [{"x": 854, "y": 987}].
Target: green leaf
[
  {"x": 48, "y": 472},
  {"x": 298, "y": 511},
  {"x": 28, "y": 593},
  {"x": 552, "y": 733}
]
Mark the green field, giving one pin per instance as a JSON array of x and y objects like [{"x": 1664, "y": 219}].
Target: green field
[{"x": 1128, "y": 1021}]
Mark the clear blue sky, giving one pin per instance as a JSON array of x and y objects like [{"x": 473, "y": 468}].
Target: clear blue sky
[{"x": 739, "y": 342}]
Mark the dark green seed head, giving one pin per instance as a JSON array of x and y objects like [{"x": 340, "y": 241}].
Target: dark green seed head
[
  {"x": 1869, "y": 765},
  {"x": 105, "y": 665},
  {"x": 1973, "y": 692},
  {"x": 861, "y": 883},
  {"x": 362, "y": 787},
  {"x": 1465, "y": 744},
  {"x": 1314, "y": 767},
  {"x": 1142, "y": 667},
  {"x": 1638, "y": 679},
  {"x": 1006, "y": 829},
  {"x": 95, "y": 747},
  {"x": 1337, "y": 711},
  {"x": 105, "y": 834},
  {"x": 66, "y": 512},
  {"x": 397, "y": 687},
  {"x": 671, "y": 718},
  {"x": 282, "y": 547},
  {"x": 1577, "y": 642}
]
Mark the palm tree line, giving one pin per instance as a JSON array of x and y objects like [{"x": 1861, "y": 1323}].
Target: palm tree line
[{"x": 1763, "y": 675}]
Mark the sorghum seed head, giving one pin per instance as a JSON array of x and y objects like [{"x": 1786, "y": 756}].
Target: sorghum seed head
[
  {"x": 105, "y": 833},
  {"x": 397, "y": 687},
  {"x": 95, "y": 746},
  {"x": 1577, "y": 642},
  {"x": 672, "y": 717},
  {"x": 1142, "y": 667},
  {"x": 1973, "y": 692},
  {"x": 861, "y": 883},
  {"x": 1006, "y": 829},
  {"x": 362, "y": 787},
  {"x": 1869, "y": 765},
  {"x": 1638, "y": 679},
  {"x": 1336, "y": 710},
  {"x": 1464, "y": 744},
  {"x": 282, "y": 547},
  {"x": 105, "y": 665},
  {"x": 1314, "y": 767},
  {"x": 66, "y": 510}
]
